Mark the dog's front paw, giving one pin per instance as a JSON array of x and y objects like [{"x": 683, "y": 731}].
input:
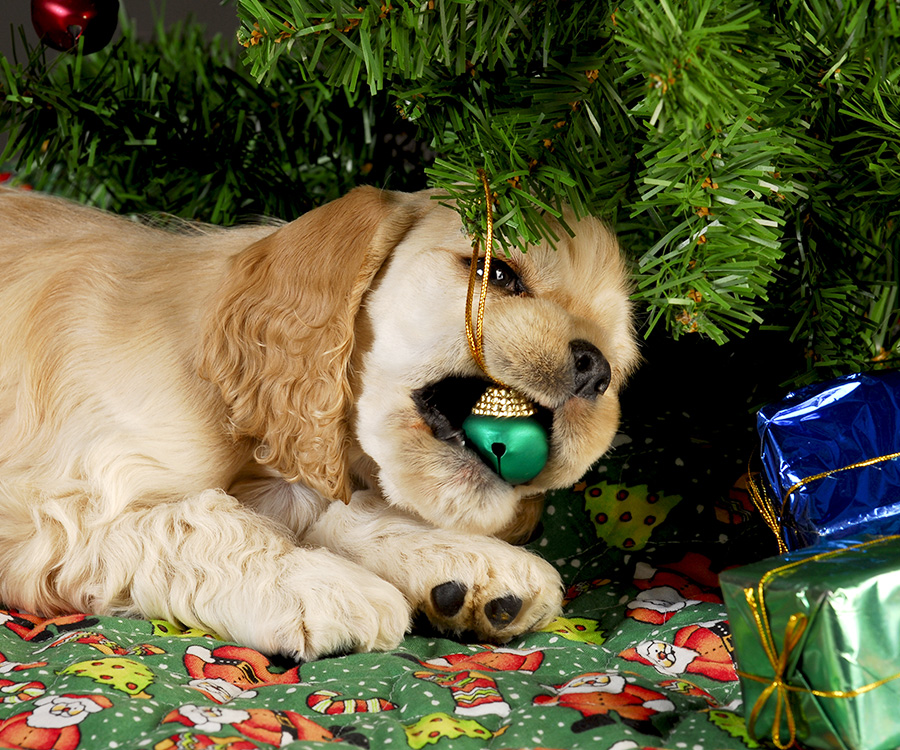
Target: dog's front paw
[
  {"x": 322, "y": 604},
  {"x": 494, "y": 591},
  {"x": 461, "y": 582}
]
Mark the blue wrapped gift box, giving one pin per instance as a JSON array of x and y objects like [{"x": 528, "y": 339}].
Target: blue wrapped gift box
[{"x": 830, "y": 455}]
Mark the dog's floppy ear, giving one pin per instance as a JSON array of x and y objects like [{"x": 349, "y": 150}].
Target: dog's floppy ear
[{"x": 279, "y": 337}]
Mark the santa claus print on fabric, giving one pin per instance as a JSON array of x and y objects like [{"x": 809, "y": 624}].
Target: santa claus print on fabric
[{"x": 52, "y": 724}]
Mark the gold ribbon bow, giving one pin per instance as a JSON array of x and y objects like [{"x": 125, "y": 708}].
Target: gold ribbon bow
[{"x": 793, "y": 634}]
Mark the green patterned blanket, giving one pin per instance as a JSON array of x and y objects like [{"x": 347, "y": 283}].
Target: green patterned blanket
[{"x": 642, "y": 657}]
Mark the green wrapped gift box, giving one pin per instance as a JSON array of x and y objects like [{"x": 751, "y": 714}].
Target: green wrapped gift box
[{"x": 817, "y": 639}]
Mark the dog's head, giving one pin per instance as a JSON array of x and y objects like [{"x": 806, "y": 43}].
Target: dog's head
[{"x": 339, "y": 344}]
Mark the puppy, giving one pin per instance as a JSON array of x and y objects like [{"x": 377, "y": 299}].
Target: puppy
[{"x": 256, "y": 431}]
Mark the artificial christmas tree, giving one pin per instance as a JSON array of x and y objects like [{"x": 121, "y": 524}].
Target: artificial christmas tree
[{"x": 748, "y": 153}]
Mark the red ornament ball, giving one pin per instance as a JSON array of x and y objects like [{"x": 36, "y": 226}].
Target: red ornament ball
[{"x": 62, "y": 23}]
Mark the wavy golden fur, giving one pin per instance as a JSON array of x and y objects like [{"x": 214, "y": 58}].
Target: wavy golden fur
[
  {"x": 180, "y": 410},
  {"x": 265, "y": 326}
]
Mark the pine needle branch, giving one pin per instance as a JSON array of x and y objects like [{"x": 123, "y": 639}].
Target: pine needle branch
[{"x": 747, "y": 152}]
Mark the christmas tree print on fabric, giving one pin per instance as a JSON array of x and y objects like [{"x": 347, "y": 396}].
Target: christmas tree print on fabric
[
  {"x": 625, "y": 517},
  {"x": 581, "y": 629},
  {"x": 129, "y": 676},
  {"x": 430, "y": 729}
]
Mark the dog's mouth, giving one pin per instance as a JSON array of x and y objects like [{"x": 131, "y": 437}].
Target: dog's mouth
[{"x": 444, "y": 406}]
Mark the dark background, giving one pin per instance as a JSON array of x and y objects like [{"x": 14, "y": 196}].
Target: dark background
[{"x": 218, "y": 18}]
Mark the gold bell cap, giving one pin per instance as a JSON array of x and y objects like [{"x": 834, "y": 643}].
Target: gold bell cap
[{"x": 499, "y": 401}]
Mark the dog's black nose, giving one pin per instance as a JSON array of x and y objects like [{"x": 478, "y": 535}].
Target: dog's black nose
[{"x": 592, "y": 371}]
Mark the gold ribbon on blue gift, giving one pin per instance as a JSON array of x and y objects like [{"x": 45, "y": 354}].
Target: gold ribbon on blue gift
[
  {"x": 774, "y": 517},
  {"x": 776, "y": 685}
]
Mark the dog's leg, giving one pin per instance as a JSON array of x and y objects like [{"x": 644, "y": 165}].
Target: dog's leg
[
  {"x": 205, "y": 561},
  {"x": 463, "y": 582}
]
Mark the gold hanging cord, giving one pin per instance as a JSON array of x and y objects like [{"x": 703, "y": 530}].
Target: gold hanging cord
[
  {"x": 501, "y": 401},
  {"x": 476, "y": 337}
]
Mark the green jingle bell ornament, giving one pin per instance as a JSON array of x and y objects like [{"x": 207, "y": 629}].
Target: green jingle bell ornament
[{"x": 502, "y": 429}]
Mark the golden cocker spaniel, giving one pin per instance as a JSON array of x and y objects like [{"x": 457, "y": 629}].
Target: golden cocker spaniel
[{"x": 256, "y": 431}]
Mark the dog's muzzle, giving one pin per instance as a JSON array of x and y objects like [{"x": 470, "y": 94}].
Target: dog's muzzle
[{"x": 447, "y": 404}]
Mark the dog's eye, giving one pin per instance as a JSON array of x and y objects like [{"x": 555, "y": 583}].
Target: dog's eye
[{"x": 503, "y": 276}]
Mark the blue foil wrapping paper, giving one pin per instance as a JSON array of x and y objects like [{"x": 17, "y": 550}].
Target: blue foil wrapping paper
[{"x": 828, "y": 428}]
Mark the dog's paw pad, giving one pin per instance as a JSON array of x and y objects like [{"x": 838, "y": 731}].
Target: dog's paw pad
[
  {"x": 501, "y": 611},
  {"x": 448, "y": 598}
]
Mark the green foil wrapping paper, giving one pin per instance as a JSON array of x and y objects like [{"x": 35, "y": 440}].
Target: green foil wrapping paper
[{"x": 817, "y": 640}]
